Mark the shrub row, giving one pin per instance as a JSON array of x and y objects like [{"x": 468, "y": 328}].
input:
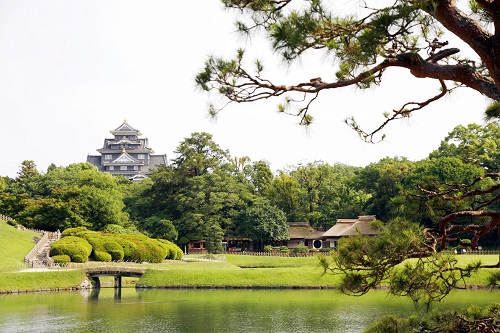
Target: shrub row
[
  {"x": 117, "y": 247},
  {"x": 78, "y": 249}
]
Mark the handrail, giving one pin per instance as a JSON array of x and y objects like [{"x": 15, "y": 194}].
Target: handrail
[
  {"x": 30, "y": 257},
  {"x": 46, "y": 238}
]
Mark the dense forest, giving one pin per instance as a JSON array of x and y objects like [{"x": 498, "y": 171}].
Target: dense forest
[{"x": 205, "y": 193}]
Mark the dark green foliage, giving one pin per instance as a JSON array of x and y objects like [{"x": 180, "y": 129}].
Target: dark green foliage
[
  {"x": 262, "y": 222},
  {"x": 493, "y": 111},
  {"x": 213, "y": 239},
  {"x": 472, "y": 320},
  {"x": 78, "y": 249},
  {"x": 365, "y": 262},
  {"x": 12, "y": 223},
  {"x": 66, "y": 197}
]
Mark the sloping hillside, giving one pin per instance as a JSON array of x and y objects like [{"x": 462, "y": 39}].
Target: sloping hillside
[{"x": 14, "y": 244}]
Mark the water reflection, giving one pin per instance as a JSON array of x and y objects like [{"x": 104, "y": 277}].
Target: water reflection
[{"x": 175, "y": 311}]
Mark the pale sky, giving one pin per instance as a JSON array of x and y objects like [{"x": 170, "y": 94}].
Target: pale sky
[{"x": 71, "y": 71}]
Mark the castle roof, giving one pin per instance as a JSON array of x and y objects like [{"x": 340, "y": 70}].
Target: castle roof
[
  {"x": 124, "y": 159},
  {"x": 125, "y": 129}
]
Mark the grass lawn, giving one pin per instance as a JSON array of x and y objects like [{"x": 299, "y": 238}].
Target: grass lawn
[
  {"x": 252, "y": 271},
  {"x": 241, "y": 271},
  {"x": 14, "y": 244},
  {"x": 61, "y": 279}
]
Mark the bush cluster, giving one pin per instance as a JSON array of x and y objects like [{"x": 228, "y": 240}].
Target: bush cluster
[
  {"x": 117, "y": 247},
  {"x": 78, "y": 249},
  {"x": 284, "y": 249},
  {"x": 300, "y": 249},
  {"x": 12, "y": 223},
  {"x": 61, "y": 259}
]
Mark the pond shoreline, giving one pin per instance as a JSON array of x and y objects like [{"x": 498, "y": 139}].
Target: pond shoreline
[{"x": 207, "y": 287}]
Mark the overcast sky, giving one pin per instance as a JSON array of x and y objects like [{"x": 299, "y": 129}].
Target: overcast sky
[{"x": 71, "y": 71}]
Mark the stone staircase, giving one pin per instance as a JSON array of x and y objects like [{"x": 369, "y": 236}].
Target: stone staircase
[{"x": 38, "y": 257}]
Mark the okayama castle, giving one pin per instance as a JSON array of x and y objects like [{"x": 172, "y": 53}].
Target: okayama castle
[{"x": 127, "y": 155}]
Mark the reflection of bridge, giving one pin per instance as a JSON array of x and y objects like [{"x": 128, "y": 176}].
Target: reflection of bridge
[{"x": 117, "y": 272}]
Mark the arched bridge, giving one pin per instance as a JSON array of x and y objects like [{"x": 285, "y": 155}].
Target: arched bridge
[{"x": 117, "y": 272}]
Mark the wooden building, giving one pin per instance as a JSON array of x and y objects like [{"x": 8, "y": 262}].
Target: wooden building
[{"x": 349, "y": 227}]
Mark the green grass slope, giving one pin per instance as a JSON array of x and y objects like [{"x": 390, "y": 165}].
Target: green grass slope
[{"x": 14, "y": 244}]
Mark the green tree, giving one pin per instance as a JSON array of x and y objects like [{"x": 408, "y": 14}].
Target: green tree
[
  {"x": 263, "y": 222},
  {"x": 383, "y": 181},
  {"x": 365, "y": 46},
  {"x": 198, "y": 155},
  {"x": 156, "y": 227},
  {"x": 474, "y": 144},
  {"x": 27, "y": 178},
  {"x": 212, "y": 199},
  {"x": 326, "y": 193},
  {"x": 76, "y": 195},
  {"x": 260, "y": 176},
  {"x": 284, "y": 193}
]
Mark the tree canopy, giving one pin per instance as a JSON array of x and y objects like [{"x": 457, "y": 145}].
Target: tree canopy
[{"x": 365, "y": 45}]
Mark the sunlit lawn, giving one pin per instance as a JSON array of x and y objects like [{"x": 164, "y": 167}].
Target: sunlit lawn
[
  {"x": 14, "y": 244},
  {"x": 257, "y": 271},
  {"x": 10, "y": 281}
]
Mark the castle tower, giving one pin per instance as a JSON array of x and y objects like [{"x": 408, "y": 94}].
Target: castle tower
[{"x": 126, "y": 154}]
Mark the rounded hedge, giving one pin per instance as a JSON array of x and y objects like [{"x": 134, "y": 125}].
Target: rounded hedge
[
  {"x": 109, "y": 246},
  {"x": 114, "y": 249},
  {"x": 173, "y": 251},
  {"x": 149, "y": 250},
  {"x": 61, "y": 259},
  {"x": 102, "y": 256},
  {"x": 78, "y": 249}
]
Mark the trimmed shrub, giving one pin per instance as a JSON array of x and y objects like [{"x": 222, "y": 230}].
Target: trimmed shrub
[
  {"x": 78, "y": 249},
  {"x": 268, "y": 248},
  {"x": 173, "y": 251},
  {"x": 102, "y": 256},
  {"x": 96, "y": 242},
  {"x": 114, "y": 249},
  {"x": 284, "y": 249},
  {"x": 12, "y": 223},
  {"x": 77, "y": 231},
  {"x": 61, "y": 259},
  {"x": 300, "y": 249},
  {"x": 148, "y": 250}
]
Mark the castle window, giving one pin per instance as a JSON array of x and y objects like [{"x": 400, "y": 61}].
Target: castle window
[
  {"x": 123, "y": 167},
  {"x": 136, "y": 167},
  {"x": 141, "y": 156},
  {"x": 111, "y": 167},
  {"x": 108, "y": 157}
]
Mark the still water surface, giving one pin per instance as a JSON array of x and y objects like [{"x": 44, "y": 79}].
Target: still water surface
[{"x": 209, "y": 310}]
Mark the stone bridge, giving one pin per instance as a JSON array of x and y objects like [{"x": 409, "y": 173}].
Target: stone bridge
[{"x": 118, "y": 272}]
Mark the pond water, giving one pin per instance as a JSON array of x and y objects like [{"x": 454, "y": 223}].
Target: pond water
[{"x": 175, "y": 311}]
